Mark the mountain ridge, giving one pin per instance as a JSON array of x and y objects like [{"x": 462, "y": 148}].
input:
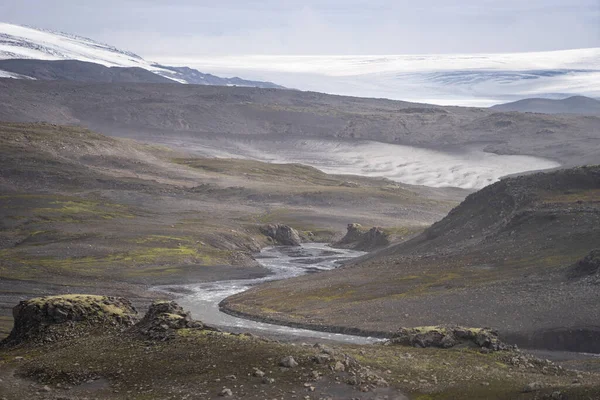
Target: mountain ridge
[
  {"x": 24, "y": 42},
  {"x": 571, "y": 105},
  {"x": 160, "y": 112},
  {"x": 79, "y": 71}
]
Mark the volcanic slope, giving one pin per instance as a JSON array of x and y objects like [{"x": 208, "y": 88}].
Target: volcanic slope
[
  {"x": 24, "y": 47},
  {"x": 164, "y": 112},
  {"x": 86, "y": 212},
  {"x": 511, "y": 256},
  {"x": 80, "y": 71}
]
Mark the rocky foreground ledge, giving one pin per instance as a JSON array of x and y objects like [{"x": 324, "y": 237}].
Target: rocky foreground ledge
[
  {"x": 445, "y": 337},
  {"x": 55, "y": 318},
  {"x": 80, "y": 346},
  {"x": 47, "y": 319}
]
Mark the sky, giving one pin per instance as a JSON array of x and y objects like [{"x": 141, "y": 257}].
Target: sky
[{"x": 179, "y": 28}]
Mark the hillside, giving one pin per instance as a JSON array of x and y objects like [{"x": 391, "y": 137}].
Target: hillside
[
  {"x": 503, "y": 258},
  {"x": 79, "y": 71},
  {"x": 571, "y": 105},
  {"x": 28, "y": 43},
  {"x": 79, "y": 209},
  {"x": 211, "y": 115}
]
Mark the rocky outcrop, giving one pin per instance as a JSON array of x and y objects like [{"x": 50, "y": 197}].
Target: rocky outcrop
[
  {"x": 48, "y": 319},
  {"x": 282, "y": 234},
  {"x": 163, "y": 319},
  {"x": 348, "y": 369},
  {"x": 447, "y": 337},
  {"x": 359, "y": 238},
  {"x": 587, "y": 268}
]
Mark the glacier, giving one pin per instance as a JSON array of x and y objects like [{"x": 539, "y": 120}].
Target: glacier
[
  {"x": 446, "y": 79},
  {"x": 479, "y": 80}
]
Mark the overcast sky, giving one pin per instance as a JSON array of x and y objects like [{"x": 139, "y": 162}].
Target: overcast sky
[{"x": 155, "y": 28}]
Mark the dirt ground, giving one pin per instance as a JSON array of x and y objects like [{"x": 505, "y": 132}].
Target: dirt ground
[{"x": 200, "y": 364}]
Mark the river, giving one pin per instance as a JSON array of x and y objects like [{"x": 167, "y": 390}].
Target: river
[{"x": 202, "y": 299}]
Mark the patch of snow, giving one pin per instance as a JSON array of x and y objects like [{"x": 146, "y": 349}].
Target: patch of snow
[
  {"x": 7, "y": 74},
  {"x": 18, "y": 41},
  {"x": 23, "y": 42}
]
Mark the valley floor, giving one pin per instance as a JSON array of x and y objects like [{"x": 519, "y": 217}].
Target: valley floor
[
  {"x": 82, "y": 212},
  {"x": 85, "y": 213}
]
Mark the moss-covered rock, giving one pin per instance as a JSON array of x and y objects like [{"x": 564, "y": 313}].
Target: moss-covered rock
[
  {"x": 359, "y": 238},
  {"x": 282, "y": 234},
  {"x": 52, "y": 318},
  {"x": 449, "y": 336},
  {"x": 163, "y": 319}
]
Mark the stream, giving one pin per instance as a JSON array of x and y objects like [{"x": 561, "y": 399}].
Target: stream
[{"x": 202, "y": 299}]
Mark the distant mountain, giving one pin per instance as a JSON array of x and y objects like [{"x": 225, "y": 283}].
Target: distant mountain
[
  {"x": 21, "y": 42},
  {"x": 570, "y": 105},
  {"x": 80, "y": 71},
  {"x": 196, "y": 77},
  {"x": 253, "y": 117}
]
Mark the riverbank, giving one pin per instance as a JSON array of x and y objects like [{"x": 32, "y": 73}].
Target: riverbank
[
  {"x": 283, "y": 262},
  {"x": 519, "y": 256},
  {"x": 166, "y": 355},
  {"x": 84, "y": 212},
  {"x": 208, "y": 302}
]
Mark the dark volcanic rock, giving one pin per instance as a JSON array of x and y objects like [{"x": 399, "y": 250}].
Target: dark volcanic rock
[
  {"x": 282, "y": 234},
  {"x": 357, "y": 238},
  {"x": 163, "y": 319},
  {"x": 48, "y": 319},
  {"x": 447, "y": 337},
  {"x": 587, "y": 267}
]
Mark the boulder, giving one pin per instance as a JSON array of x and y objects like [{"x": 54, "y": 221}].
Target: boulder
[
  {"x": 282, "y": 234},
  {"x": 163, "y": 319},
  {"x": 446, "y": 337},
  {"x": 533, "y": 387},
  {"x": 52, "y": 318},
  {"x": 322, "y": 358},
  {"x": 339, "y": 367},
  {"x": 288, "y": 362},
  {"x": 587, "y": 268},
  {"x": 354, "y": 233},
  {"x": 359, "y": 238},
  {"x": 258, "y": 373}
]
